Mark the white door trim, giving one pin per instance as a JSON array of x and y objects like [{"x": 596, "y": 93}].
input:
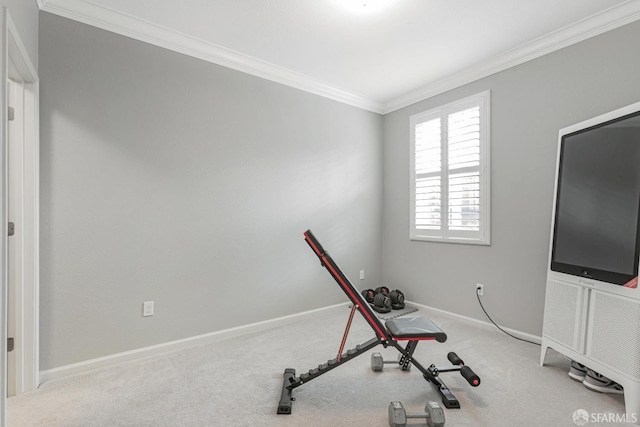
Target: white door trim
[
  {"x": 13, "y": 50},
  {"x": 15, "y": 243}
]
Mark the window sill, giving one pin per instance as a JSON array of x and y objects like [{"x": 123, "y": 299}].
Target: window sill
[{"x": 455, "y": 240}]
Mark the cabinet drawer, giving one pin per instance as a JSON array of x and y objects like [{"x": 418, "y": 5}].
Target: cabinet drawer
[
  {"x": 563, "y": 314},
  {"x": 613, "y": 336}
]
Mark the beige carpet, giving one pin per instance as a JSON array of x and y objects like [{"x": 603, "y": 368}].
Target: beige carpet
[{"x": 237, "y": 382}]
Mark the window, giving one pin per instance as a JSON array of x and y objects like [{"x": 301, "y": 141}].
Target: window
[{"x": 450, "y": 172}]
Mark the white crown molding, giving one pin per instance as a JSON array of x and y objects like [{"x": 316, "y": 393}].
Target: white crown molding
[
  {"x": 99, "y": 16},
  {"x": 117, "y": 22},
  {"x": 602, "y": 22}
]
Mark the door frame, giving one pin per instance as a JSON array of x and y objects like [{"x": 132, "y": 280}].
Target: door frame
[
  {"x": 15, "y": 243},
  {"x": 13, "y": 50}
]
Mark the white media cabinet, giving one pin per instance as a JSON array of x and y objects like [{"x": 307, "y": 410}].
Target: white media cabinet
[
  {"x": 598, "y": 325},
  {"x": 591, "y": 321}
]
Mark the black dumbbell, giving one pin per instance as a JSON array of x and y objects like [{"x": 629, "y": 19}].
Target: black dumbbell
[
  {"x": 381, "y": 303},
  {"x": 397, "y": 299},
  {"x": 382, "y": 290},
  {"x": 377, "y": 363},
  {"x": 368, "y": 295},
  {"x": 432, "y": 412}
]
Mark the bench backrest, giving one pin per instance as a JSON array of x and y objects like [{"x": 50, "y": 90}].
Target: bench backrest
[{"x": 344, "y": 283}]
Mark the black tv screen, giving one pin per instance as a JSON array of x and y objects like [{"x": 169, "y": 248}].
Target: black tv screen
[{"x": 596, "y": 228}]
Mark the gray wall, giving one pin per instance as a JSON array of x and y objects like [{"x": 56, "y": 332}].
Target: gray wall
[
  {"x": 25, "y": 15},
  {"x": 170, "y": 179},
  {"x": 529, "y": 104}
]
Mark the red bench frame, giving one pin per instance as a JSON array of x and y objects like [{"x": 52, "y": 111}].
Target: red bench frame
[{"x": 411, "y": 330}]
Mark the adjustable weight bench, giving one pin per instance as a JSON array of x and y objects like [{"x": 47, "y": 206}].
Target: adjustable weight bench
[{"x": 390, "y": 334}]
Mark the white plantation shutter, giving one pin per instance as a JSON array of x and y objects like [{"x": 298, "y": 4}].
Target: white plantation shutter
[
  {"x": 428, "y": 152},
  {"x": 450, "y": 179},
  {"x": 463, "y": 145}
]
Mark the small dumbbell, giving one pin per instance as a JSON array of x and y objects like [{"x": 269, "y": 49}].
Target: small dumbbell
[
  {"x": 432, "y": 412},
  {"x": 377, "y": 363}
]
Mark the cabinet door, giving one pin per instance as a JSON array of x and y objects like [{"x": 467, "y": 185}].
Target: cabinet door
[
  {"x": 613, "y": 336},
  {"x": 564, "y": 314}
]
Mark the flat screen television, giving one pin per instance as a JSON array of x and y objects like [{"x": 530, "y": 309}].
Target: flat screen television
[{"x": 596, "y": 227}]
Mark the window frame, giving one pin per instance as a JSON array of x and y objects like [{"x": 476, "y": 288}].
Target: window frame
[{"x": 444, "y": 235}]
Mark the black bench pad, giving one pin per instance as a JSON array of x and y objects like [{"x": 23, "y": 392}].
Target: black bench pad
[{"x": 415, "y": 328}]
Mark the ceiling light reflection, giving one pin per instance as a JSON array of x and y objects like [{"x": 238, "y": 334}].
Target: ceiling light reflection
[{"x": 364, "y": 6}]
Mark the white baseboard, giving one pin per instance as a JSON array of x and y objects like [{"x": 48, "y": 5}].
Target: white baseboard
[
  {"x": 155, "y": 350},
  {"x": 524, "y": 335}
]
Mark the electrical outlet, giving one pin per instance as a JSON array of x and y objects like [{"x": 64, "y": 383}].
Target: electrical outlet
[
  {"x": 361, "y": 274},
  {"x": 480, "y": 289},
  {"x": 147, "y": 308}
]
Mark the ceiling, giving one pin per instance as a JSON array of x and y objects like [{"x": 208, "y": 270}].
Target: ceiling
[{"x": 379, "y": 55}]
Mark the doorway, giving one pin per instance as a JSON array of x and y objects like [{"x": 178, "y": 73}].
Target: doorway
[{"x": 20, "y": 199}]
